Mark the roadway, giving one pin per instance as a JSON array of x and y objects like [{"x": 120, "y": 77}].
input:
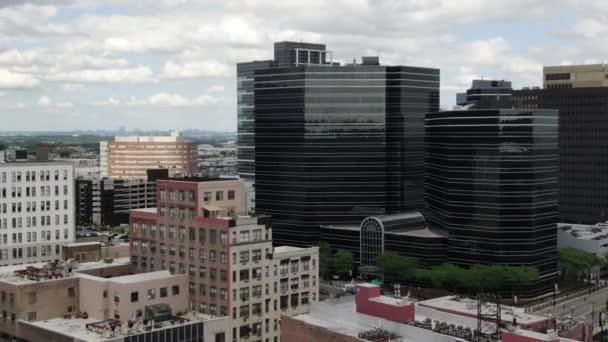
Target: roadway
[{"x": 581, "y": 306}]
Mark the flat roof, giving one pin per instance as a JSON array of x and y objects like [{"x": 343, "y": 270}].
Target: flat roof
[
  {"x": 468, "y": 306},
  {"x": 7, "y": 273},
  {"x": 81, "y": 244},
  {"x": 584, "y": 231},
  {"x": 340, "y": 315},
  {"x": 35, "y": 163},
  {"x": 135, "y": 278},
  {"x": 76, "y": 327},
  {"x": 146, "y": 210}
]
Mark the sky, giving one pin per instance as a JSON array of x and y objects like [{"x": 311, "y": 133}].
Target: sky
[{"x": 171, "y": 64}]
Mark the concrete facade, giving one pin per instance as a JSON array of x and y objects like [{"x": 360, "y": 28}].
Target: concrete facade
[{"x": 36, "y": 210}]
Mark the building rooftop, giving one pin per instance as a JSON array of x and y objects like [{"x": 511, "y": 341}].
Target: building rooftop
[
  {"x": 340, "y": 315},
  {"x": 423, "y": 232},
  {"x": 146, "y": 210},
  {"x": 597, "y": 231},
  {"x": 82, "y": 244},
  {"x": 135, "y": 278},
  {"x": 8, "y": 275},
  {"x": 77, "y": 329},
  {"x": 467, "y": 306}
]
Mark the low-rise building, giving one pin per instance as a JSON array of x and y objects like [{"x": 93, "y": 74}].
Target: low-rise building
[
  {"x": 99, "y": 301},
  {"x": 371, "y": 316},
  {"x": 233, "y": 269},
  {"x": 589, "y": 238}
]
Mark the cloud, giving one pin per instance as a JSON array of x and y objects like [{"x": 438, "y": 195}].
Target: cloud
[
  {"x": 139, "y": 74},
  {"x": 44, "y": 101},
  {"x": 11, "y": 80},
  {"x": 162, "y": 99},
  {"x": 197, "y": 69},
  {"x": 73, "y": 87}
]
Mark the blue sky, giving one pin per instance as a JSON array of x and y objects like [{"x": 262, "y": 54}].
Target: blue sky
[{"x": 170, "y": 64}]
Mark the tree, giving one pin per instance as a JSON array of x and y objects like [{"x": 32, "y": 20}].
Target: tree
[
  {"x": 396, "y": 266},
  {"x": 324, "y": 259},
  {"x": 343, "y": 262},
  {"x": 574, "y": 262}
]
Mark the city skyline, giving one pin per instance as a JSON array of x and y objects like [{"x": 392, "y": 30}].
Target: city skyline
[{"x": 172, "y": 64}]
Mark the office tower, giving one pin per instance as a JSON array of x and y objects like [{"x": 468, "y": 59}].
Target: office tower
[
  {"x": 245, "y": 118},
  {"x": 575, "y": 76},
  {"x": 36, "y": 210},
  {"x": 233, "y": 269},
  {"x": 285, "y": 54},
  {"x": 336, "y": 144},
  {"x": 583, "y": 137},
  {"x": 491, "y": 185},
  {"x": 129, "y": 157},
  {"x": 480, "y": 89}
]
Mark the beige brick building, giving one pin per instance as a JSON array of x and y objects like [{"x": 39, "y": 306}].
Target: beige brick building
[
  {"x": 575, "y": 76},
  {"x": 130, "y": 157},
  {"x": 232, "y": 267}
]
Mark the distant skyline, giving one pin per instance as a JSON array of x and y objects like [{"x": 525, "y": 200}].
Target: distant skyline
[{"x": 170, "y": 64}]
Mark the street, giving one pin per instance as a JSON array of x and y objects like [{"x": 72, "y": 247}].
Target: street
[{"x": 581, "y": 306}]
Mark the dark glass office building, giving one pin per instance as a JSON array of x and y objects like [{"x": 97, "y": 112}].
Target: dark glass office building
[
  {"x": 491, "y": 185},
  {"x": 285, "y": 54},
  {"x": 583, "y": 147},
  {"x": 245, "y": 119},
  {"x": 336, "y": 144}
]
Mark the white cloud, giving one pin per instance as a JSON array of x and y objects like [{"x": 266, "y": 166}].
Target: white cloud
[
  {"x": 65, "y": 105},
  {"x": 139, "y": 74},
  {"x": 73, "y": 87},
  {"x": 12, "y": 80},
  {"x": 45, "y": 101},
  {"x": 162, "y": 99},
  {"x": 195, "y": 69},
  {"x": 216, "y": 89},
  {"x": 20, "y": 105}
]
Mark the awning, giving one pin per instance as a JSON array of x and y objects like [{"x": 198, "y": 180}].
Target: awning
[
  {"x": 377, "y": 281},
  {"x": 211, "y": 207}
]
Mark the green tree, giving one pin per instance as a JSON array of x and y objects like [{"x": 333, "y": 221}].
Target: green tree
[
  {"x": 324, "y": 259},
  {"x": 343, "y": 262},
  {"x": 575, "y": 262},
  {"x": 396, "y": 266}
]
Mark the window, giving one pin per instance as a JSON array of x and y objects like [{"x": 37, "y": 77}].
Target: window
[
  {"x": 116, "y": 297},
  {"x": 201, "y": 235},
  {"x": 71, "y": 292},
  {"x": 175, "y": 290},
  {"x": 244, "y": 256},
  {"x": 304, "y": 298},
  {"x": 231, "y": 194},
  {"x": 191, "y": 234},
  {"x": 207, "y": 196},
  {"x": 244, "y": 236},
  {"x": 244, "y": 293},
  {"x": 212, "y": 236},
  {"x": 31, "y": 316},
  {"x": 202, "y": 271},
  {"x": 223, "y": 258},
  {"x": 151, "y": 294},
  {"x": 32, "y": 298},
  {"x": 163, "y": 292},
  {"x": 212, "y": 256},
  {"x": 257, "y": 234},
  {"x": 256, "y": 255},
  {"x": 219, "y": 195},
  {"x": 295, "y": 300},
  {"x": 134, "y": 296},
  {"x": 223, "y": 238}
]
